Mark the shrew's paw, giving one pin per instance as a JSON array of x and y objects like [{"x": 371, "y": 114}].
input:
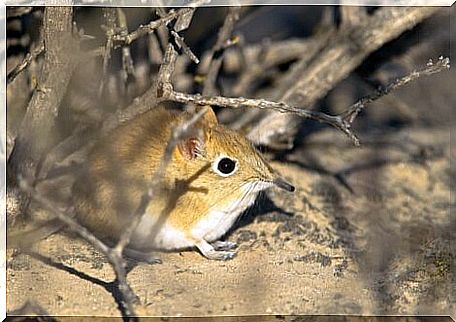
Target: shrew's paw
[
  {"x": 220, "y": 255},
  {"x": 224, "y": 245},
  {"x": 210, "y": 252}
]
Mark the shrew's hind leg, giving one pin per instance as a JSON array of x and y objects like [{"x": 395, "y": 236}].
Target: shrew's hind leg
[
  {"x": 210, "y": 252},
  {"x": 147, "y": 257}
]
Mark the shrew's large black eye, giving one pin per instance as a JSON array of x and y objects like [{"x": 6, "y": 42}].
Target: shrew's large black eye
[{"x": 226, "y": 166}]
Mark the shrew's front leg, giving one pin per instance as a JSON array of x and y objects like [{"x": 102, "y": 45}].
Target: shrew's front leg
[
  {"x": 216, "y": 253},
  {"x": 224, "y": 245}
]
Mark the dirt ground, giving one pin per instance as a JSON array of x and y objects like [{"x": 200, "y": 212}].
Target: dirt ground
[{"x": 367, "y": 231}]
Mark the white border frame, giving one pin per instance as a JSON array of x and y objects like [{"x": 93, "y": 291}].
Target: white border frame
[{"x": 132, "y": 3}]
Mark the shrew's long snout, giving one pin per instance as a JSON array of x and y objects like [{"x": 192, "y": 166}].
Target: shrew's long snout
[{"x": 282, "y": 184}]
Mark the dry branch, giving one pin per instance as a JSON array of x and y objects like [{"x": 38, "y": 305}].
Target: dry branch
[
  {"x": 25, "y": 62},
  {"x": 126, "y": 39},
  {"x": 186, "y": 13},
  {"x": 278, "y": 53},
  {"x": 342, "y": 121},
  {"x": 35, "y": 134},
  {"x": 151, "y": 97},
  {"x": 431, "y": 68},
  {"x": 311, "y": 79},
  {"x": 109, "y": 15},
  {"x": 216, "y": 53},
  {"x": 127, "y": 61},
  {"x": 179, "y": 40}
]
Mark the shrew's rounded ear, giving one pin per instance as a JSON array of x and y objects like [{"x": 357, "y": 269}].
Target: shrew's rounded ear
[
  {"x": 194, "y": 146},
  {"x": 191, "y": 148}
]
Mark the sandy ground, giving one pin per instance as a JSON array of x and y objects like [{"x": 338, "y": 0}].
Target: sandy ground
[{"x": 368, "y": 231}]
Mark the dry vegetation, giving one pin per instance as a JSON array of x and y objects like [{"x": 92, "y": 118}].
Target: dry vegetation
[{"x": 368, "y": 230}]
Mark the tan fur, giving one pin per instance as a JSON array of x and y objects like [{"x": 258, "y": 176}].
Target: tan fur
[{"x": 110, "y": 186}]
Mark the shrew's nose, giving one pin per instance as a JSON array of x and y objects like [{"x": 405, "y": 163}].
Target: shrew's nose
[{"x": 279, "y": 182}]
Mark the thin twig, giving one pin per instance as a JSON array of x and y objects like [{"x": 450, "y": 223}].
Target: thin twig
[
  {"x": 431, "y": 68},
  {"x": 241, "y": 102},
  {"x": 126, "y": 39},
  {"x": 110, "y": 19},
  {"x": 164, "y": 79},
  {"x": 223, "y": 40},
  {"x": 127, "y": 61},
  {"x": 182, "y": 45},
  {"x": 150, "y": 98},
  {"x": 25, "y": 62}
]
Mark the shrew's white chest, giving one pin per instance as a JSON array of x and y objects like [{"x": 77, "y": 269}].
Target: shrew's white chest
[
  {"x": 219, "y": 220},
  {"x": 210, "y": 228}
]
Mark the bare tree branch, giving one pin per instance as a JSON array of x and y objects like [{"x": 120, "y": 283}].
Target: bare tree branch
[
  {"x": 109, "y": 15},
  {"x": 164, "y": 79},
  {"x": 431, "y": 68},
  {"x": 127, "y": 61},
  {"x": 61, "y": 57},
  {"x": 150, "y": 98},
  {"x": 25, "y": 62},
  {"x": 182, "y": 45},
  {"x": 352, "y": 15},
  {"x": 342, "y": 121},
  {"x": 280, "y": 52},
  {"x": 216, "y": 53},
  {"x": 143, "y": 30},
  {"x": 126, "y": 39}
]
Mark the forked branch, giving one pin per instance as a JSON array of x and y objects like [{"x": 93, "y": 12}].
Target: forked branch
[{"x": 343, "y": 121}]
